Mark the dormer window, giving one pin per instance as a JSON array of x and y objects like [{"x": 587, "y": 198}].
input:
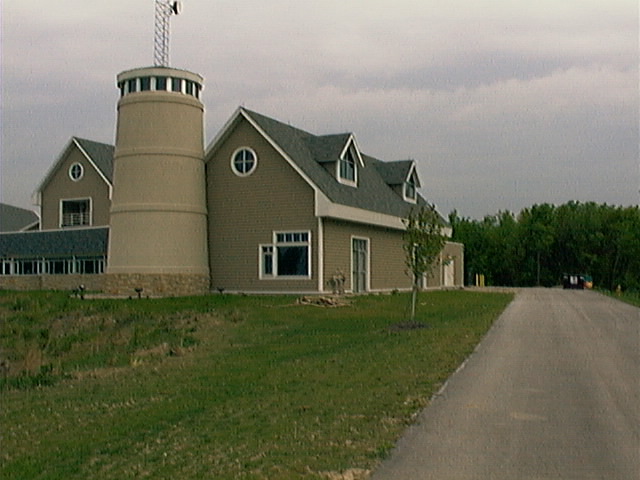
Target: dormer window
[
  {"x": 348, "y": 167},
  {"x": 410, "y": 190},
  {"x": 348, "y": 164}
]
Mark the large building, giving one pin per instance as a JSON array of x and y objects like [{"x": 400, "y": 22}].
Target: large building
[{"x": 266, "y": 208}]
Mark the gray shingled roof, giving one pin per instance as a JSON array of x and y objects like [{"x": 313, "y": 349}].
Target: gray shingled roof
[
  {"x": 309, "y": 151},
  {"x": 55, "y": 243},
  {"x": 328, "y": 148},
  {"x": 14, "y": 219},
  {"x": 101, "y": 154},
  {"x": 394, "y": 173}
]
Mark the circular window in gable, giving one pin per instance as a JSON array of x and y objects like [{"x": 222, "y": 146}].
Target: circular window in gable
[
  {"x": 244, "y": 161},
  {"x": 76, "y": 171}
]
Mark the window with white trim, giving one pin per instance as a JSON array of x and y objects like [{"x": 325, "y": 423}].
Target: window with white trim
[
  {"x": 145, "y": 84},
  {"x": 75, "y": 213},
  {"x": 27, "y": 266},
  {"x": 288, "y": 256},
  {"x": 266, "y": 261},
  {"x": 76, "y": 171},
  {"x": 53, "y": 266},
  {"x": 410, "y": 190},
  {"x": 347, "y": 169},
  {"x": 244, "y": 161},
  {"x": 5, "y": 267},
  {"x": 176, "y": 84}
]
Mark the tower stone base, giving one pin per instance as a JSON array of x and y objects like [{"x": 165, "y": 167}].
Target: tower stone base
[{"x": 160, "y": 284}]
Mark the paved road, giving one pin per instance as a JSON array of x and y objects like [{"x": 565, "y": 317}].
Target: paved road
[{"x": 552, "y": 392}]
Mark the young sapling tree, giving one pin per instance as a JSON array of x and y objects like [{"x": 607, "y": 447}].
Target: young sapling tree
[{"x": 423, "y": 242}]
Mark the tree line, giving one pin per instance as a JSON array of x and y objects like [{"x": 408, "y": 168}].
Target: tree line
[{"x": 543, "y": 242}]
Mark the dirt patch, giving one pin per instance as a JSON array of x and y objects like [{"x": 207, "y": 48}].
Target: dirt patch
[
  {"x": 323, "y": 301},
  {"x": 350, "y": 474}
]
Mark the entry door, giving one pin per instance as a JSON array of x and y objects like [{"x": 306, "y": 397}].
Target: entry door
[
  {"x": 449, "y": 273},
  {"x": 360, "y": 265}
]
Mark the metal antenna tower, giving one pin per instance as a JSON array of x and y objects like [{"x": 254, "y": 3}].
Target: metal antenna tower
[{"x": 164, "y": 10}]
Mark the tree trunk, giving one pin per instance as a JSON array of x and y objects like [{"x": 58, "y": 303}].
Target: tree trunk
[{"x": 414, "y": 297}]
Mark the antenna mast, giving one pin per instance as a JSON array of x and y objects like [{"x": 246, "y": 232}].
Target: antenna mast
[{"x": 164, "y": 10}]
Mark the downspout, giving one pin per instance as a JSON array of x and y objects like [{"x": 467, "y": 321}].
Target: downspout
[{"x": 320, "y": 250}]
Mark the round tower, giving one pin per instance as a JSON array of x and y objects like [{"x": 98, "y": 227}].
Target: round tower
[{"x": 158, "y": 237}]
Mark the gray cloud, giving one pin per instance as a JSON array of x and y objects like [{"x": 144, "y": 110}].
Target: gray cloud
[{"x": 503, "y": 104}]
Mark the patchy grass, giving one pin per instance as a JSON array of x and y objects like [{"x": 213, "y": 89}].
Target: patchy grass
[
  {"x": 224, "y": 387},
  {"x": 630, "y": 297}
]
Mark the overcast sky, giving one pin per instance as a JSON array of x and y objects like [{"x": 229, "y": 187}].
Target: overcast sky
[{"x": 502, "y": 103}]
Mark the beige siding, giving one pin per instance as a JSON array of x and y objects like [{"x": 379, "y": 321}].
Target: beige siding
[
  {"x": 245, "y": 211},
  {"x": 452, "y": 252},
  {"x": 386, "y": 256},
  {"x": 61, "y": 187}
]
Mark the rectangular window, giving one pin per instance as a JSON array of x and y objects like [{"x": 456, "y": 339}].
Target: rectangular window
[
  {"x": 90, "y": 265},
  {"x": 132, "y": 85},
  {"x": 176, "y": 84},
  {"x": 347, "y": 168},
  {"x": 145, "y": 84},
  {"x": 5, "y": 267},
  {"x": 410, "y": 188},
  {"x": 293, "y": 261},
  {"x": 266, "y": 260},
  {"x": 161, "y": 83},
  {"x": 28, "y": 266},
  {"x": 189, "y": 87},
  {"x": 75, "y": 213},
  {"x": 57, "y": 266},
  {"x": 289, "y": 256}
]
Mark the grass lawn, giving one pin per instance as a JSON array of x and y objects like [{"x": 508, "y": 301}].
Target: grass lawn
[{"x": 224, "y": 387}]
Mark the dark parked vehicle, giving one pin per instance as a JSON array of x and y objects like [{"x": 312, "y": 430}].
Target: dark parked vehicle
[{"x": 573, "y": 281}]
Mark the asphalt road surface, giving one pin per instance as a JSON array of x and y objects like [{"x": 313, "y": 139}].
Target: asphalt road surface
[{"x": 552, "y": 392}]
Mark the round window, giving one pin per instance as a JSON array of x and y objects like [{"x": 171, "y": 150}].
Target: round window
[
  {"x": 76, "y": 171},
  {"x": 244, "y": 161}
]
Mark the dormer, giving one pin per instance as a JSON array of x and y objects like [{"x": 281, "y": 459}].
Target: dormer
[
  {"x": 402, "y": 177},
  {"x": 339, "y": 155}
]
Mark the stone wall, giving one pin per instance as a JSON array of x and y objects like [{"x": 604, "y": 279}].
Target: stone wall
[
  {"x": 163, "y": 285},
  {"x": 52, "y": 282}
]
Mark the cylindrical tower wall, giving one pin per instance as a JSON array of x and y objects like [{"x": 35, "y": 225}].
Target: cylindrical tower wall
[{"x": 158, "y": 239}]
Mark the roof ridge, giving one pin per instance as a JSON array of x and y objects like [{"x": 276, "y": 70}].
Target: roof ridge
[{"x": 81, "y": 139}]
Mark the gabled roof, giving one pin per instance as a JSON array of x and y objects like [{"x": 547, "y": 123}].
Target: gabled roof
[
  {"x": 55, "y": 243},
  {"x": 99, "y": 155},
  {"x": 307, "y": 152},
  {"x": 16, "y": 219}
]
